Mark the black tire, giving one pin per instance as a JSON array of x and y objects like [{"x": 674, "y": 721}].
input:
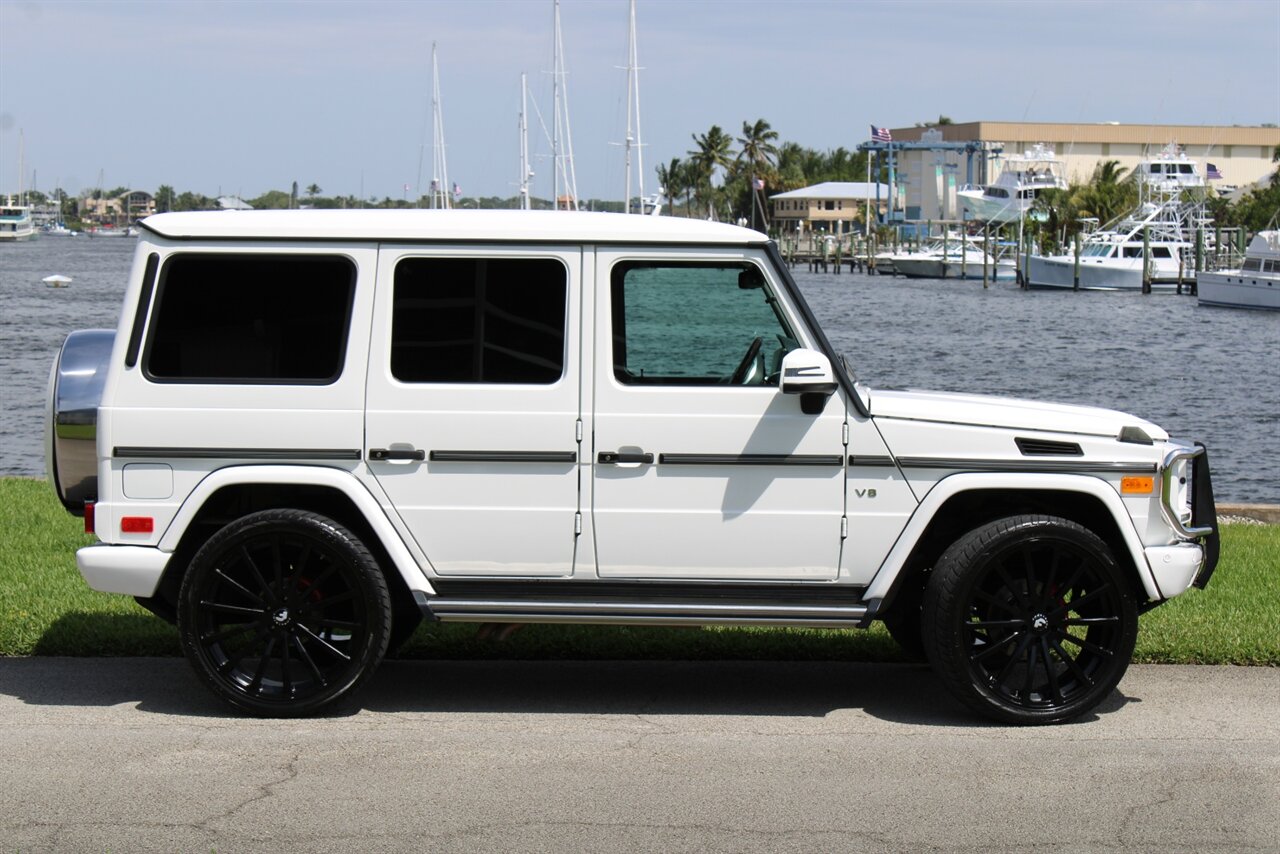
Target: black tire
[
  {"x": 284, "y": 612},
  {"x": 1029, "y": 620}
]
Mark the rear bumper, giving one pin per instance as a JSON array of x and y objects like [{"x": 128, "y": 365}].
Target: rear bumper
[{"x": 131, "y": 570}]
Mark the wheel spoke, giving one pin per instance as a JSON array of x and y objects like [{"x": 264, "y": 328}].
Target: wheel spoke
[
  {"x": 1046, "y": 592},
  {"x": 229, "y": 632},
  {"x": 277, "y": 566},
  {"x": 1071, "y": 663},
  {"x": 1013, "y": 588},
  {"x": 1084, "y": 644},
  {"x": 237, "y": 585},
  {"x": 1054, "y": 687},
  {"x": 306, "y": 657},
  {"x": 1074, "y": 604},
  {"x": 255, "y": 686},
  {"x": 292, "y": 584},
  {"x": 337, "y": 624},
  {"x": 315, "y": 637},
  {"x": 998, "y": 603},
  {"x": 286, "y": 678},
  {"x": 253, "y": 567},
  {"x": 1088, "y": 621},
  {"x": 995, "y": 647},
  {"x": 995, "y": 624},
  {"x": 231, "y": 609},
  {"x": 311, "y": 585},
  {"x": 1029, "y": 683},
  {"x": 1013, "y": 661}
]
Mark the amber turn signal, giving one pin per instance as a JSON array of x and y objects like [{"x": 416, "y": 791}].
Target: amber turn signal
[{"x": 1137, "y": 485}]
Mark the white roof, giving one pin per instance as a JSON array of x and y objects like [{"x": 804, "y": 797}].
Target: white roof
[
  {"x": 471, "y": 225},
  {"x": 837, "y": 190}
]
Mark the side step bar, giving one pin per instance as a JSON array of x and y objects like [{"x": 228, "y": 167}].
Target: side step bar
[{"x": 668, "y": 613}]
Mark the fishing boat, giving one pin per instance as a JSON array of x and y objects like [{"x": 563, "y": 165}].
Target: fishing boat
[
  {"x": 15, "y": 222},
  {"x": 1155, "y": 241},
  {"x": 1014, "y": 192},
  {"x": 57, "y": 281},
  {"x": 1255, "y": 285},
  {"x": 952, "y": 257}
]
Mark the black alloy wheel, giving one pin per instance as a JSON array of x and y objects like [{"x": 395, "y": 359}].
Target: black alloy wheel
[
  {"x": 284, "y": 612},
  {"x": 1029, "y": 620}
]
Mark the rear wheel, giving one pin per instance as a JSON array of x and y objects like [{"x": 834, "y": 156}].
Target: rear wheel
[
  {"x": 1029, "y": 620},
  {"x": 284, "y": 612}
]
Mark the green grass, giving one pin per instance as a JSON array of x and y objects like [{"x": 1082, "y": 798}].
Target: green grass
[{"x": 47, "y": 609}]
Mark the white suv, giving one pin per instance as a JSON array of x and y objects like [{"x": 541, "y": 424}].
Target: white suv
[{"x": 313, "y": 428}]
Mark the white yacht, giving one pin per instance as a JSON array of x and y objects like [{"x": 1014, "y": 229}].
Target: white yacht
[
  {"x": 15, "y": 223},
  {"x": 1157, "y": 237},
  {"x": 952, "y": 258},
  {"x": 1014, "y": 191},
  {"x": 1255, "y": 285}
]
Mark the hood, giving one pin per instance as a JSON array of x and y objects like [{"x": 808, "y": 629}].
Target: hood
[{"x": 1007, "y": 412}]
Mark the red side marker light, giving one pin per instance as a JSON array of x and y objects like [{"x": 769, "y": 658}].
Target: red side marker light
[
  {"x": 88, "y": 517},
  {"x": 137, "y": 524}
]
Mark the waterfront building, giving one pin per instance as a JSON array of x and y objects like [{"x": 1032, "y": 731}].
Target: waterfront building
[
  {"x": 927, "y": 179},
  {"x": 832, "y": 206},
  {"x": 126, "y": 208}
]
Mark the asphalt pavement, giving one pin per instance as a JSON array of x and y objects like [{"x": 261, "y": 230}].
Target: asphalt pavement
[{"x": 133, "y": 755}]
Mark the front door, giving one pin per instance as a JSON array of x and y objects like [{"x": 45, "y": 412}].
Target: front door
[
  {"x": 473, "y": 405},
  {"x": 702, "y": 468}
]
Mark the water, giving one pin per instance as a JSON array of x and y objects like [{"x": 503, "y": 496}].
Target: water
[{"x": 1202, "y": 373}]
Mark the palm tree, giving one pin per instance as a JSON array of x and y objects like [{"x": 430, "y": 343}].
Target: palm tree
[
  {"x": 674, "y": 178},
  {"x": 759, "y": 154},
  {"x": 714, "y": 150}
]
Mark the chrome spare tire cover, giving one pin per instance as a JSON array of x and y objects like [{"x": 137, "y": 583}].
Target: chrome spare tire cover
[{"x": 75, "y": 390}]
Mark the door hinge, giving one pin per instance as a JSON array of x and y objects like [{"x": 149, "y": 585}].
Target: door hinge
[
  {"x": 844, "y": 433},
  {"x": 844, "y": 527},
  {"x": 577, "y": 524},
  {"x": 578, "y": 429}
]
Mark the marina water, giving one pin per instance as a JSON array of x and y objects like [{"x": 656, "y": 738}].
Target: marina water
[{"x": 1201, "y": 373}]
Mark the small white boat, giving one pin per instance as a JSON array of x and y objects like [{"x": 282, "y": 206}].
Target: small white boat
[
  {"x": 953, "y": 258},
  {"x": 16, "y": 223},
  {"x": 1014, "y": 190},
  {"x": 57, "y": 281},
  {"x": 1255, "y": 285}
]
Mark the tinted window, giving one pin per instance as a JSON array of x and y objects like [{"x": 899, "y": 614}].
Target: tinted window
[
  {"x": 251, "y": 319},
  {"x": 478, "y": 320},
  {"x": 691, "y": 324}
]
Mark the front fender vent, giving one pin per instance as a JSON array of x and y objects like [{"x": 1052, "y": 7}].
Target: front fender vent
[{"x": 1047, "y": 448}]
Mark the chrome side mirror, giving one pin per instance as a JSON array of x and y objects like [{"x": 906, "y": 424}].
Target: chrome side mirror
[{"x": 808, "y": 373}]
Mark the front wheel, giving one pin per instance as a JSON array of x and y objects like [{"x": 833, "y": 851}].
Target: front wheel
[
  {"x": 283, "y": 612},
  {"x": 1029, "y": 620}
]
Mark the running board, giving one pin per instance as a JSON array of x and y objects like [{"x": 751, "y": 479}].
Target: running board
[{"x": 668, "y": 613}]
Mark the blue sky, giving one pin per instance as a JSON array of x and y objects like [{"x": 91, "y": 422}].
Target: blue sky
[{"x": 242, "y": 97}]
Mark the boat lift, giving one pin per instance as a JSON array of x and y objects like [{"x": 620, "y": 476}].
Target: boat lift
[{"x": 884, "y": 151}]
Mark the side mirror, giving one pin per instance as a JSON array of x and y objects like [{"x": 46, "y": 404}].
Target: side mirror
[{"x": 808, "y": 373}]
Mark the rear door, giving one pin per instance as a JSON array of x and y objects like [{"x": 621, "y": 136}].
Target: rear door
[{"x": 474, "y": 402}]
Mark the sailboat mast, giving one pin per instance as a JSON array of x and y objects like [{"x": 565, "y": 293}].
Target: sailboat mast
[
  {"x": 633, "y": 107},
  {"x": 440, "y": 197},
  {"x": 524, "y": 143},
  {"x": 561, "y": 125}
]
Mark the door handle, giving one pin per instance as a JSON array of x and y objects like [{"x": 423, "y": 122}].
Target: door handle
[
  {"x": 397, "y": 454},
  {"x": 624, "y": 457}
]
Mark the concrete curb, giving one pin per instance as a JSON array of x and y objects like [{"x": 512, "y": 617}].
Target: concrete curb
[{"x": 1269, "y": 513}]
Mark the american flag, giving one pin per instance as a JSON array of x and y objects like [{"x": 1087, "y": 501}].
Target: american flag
[
  {"x": 1213, "y": 174},
  {"x": 759, "y": 183},
  {"x": 457, "y": 191},
  {"x": 881, "y": 134}
]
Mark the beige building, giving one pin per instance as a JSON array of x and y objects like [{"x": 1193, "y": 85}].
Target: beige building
[
  {"x": 927, "y": 180},
  {"x": 832, "y": 206},
  {"x": 126, "y": 208}
]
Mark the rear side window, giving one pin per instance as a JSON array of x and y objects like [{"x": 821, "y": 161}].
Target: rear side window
[
  {"x": 479, "y": 320},
  {"x": 251, "y": 319}
]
